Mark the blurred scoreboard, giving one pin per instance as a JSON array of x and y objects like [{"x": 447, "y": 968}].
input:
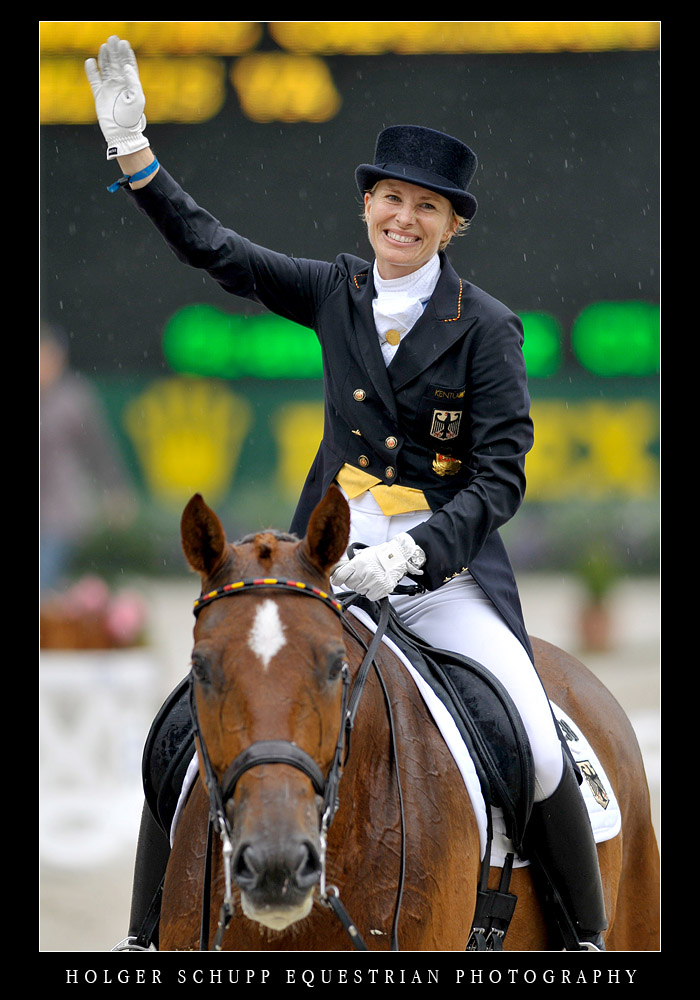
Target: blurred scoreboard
[{"x": 264, "y": 123}]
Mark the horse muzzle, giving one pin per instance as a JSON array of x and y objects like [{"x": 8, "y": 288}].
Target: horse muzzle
[
  {"x": 276, "y": 822},
  {"x": 277, "y": 879}
]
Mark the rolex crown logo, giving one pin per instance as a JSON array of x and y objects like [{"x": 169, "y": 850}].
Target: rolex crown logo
[
  {"x": 445, "y": 465},
  {"x": 187, "y": 434}
]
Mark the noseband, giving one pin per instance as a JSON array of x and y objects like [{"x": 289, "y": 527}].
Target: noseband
[{"x": 280, "y": 752}]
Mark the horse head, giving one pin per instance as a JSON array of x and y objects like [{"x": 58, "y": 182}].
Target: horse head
[{"x": 267, "y": 672}]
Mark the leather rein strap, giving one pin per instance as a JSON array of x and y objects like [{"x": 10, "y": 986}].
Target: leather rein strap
[{"x": 285, "y": 752}]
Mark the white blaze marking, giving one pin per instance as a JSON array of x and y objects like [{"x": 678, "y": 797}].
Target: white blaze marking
[{"x": 267, "y": 634}]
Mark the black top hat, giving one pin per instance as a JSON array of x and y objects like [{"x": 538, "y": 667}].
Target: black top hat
[{"x": 424, "y": 157}]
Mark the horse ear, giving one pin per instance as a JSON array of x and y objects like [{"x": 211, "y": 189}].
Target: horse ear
[
  {"x": 203, "y": 538},
  {"x": 328, "y": 531}
]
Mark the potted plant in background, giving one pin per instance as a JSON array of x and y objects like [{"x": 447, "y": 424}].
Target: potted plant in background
[
  {"x": 590, "y": 543},
  {"x": 598, "y": 572},
  {"x": 89, "y": 615}
]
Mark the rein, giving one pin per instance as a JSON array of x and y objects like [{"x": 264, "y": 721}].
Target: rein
[{"x": 286, "y": 752}]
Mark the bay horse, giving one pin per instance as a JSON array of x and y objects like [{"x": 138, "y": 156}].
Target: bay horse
[{"x": 327, "y": 845}]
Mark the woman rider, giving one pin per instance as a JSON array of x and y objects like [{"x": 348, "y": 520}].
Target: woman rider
[{"x": 426, "y": 428}]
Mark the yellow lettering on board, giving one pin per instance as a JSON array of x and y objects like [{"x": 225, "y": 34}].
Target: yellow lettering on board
[{"x": 589, "y": 449}]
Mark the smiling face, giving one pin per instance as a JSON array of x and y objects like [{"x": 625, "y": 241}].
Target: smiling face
[{"x": 406, "y": 225}]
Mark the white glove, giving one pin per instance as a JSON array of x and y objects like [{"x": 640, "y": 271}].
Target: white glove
[
  {"x": 375, "y": 571},
  {"x": 119, "y": 97}
]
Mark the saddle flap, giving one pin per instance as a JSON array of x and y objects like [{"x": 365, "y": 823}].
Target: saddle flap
[
  {"x": 487, "y": 720},
  {"x": 167, "y": 754}
]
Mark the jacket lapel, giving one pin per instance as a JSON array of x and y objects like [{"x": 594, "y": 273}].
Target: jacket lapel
[
  {"x": 370, "y": 354},
  {"x": 442, "y": 324}
]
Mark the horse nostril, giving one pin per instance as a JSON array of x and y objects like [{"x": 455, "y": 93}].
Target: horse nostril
[
  {"x": 308, "y": 871},
  {"x": 245, "y": 872},
  {"x": 255, "y": 867}
]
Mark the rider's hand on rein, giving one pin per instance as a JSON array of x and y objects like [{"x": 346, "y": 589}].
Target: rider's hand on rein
[{"x": 375, "y": 571}]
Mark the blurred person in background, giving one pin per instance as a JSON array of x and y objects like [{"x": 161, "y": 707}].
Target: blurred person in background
[
  {"x": 82, "y": 480},
  {"x": 426, "y": 431}
]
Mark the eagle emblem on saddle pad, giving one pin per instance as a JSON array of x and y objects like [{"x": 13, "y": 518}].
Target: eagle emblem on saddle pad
[
  {"x": 595, "y": 784},
  {"x": 445, "y": 424}
]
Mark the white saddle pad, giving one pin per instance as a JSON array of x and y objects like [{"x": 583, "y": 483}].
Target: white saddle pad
[{"x": 597, "y": 791}]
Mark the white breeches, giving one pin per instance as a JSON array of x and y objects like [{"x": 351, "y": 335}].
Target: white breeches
[{"x": 460, "y": 617}]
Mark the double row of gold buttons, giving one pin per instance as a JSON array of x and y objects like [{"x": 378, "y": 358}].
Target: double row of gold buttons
[{"x": 391, "y": 442}]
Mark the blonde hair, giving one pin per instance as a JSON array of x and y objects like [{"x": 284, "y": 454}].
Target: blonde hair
[
  {"x": 460, "y": 222},
  {"x": 461, "y": 227}
]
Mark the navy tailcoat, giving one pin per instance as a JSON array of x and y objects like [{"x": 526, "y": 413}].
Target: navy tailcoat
[{"x": 456, "y": 387}]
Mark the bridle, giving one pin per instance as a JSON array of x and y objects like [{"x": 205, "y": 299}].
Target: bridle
[{"x": 286, "y": 752}]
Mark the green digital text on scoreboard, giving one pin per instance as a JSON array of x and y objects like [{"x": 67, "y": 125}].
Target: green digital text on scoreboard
[{"x": 607, "y": 340}]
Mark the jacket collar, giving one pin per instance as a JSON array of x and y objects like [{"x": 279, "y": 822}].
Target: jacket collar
[{"x": 421, "y": 348}]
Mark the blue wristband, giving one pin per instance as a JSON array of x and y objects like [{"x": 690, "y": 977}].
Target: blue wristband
[{"x": 123, "y": 181}]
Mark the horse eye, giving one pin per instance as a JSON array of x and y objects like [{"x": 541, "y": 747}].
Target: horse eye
[
  {"x": 200, "y": 668},
  {"x": 335, "y": 666}
]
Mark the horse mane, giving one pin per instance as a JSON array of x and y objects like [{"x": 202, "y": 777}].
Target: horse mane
[{"x": 281, "y": 536}]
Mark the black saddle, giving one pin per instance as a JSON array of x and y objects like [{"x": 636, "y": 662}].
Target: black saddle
[
  {"x": 487, "y": 720},
  {"x": 167, "y": 754}
]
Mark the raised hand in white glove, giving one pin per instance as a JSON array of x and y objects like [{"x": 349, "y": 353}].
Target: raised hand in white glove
[
  {"x": 119, "y": 97},
  {"x": 375, "y": 570}
]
